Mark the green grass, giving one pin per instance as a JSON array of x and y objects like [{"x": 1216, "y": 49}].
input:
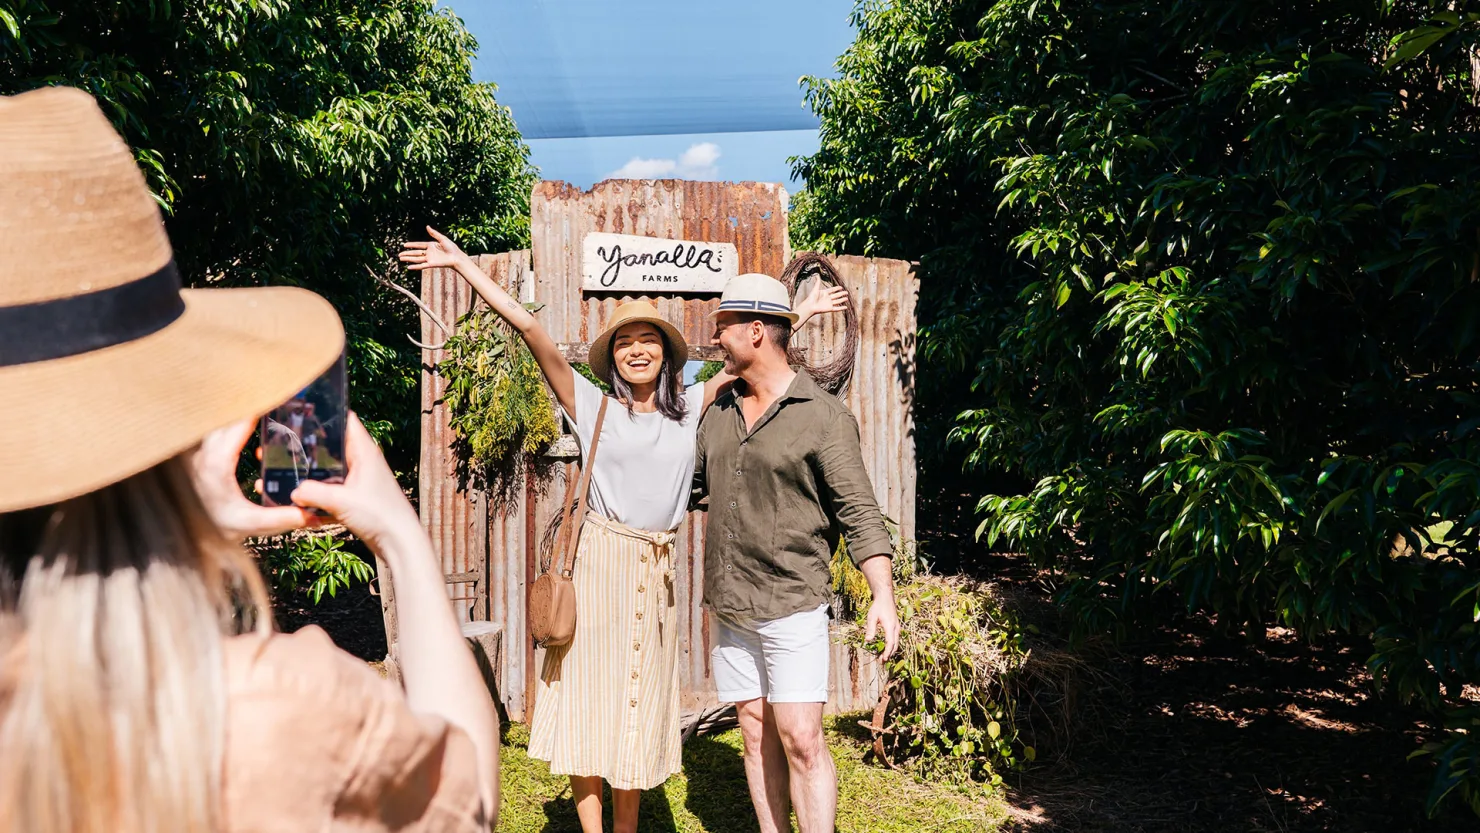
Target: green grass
[{"x": 710, "y": 796}]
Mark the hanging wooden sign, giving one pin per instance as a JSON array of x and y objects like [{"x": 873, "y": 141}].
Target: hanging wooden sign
[{"x": 628, "y": 263}]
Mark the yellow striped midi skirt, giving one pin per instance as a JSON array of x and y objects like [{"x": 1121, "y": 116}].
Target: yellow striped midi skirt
[{"x": 607, "y": 703}]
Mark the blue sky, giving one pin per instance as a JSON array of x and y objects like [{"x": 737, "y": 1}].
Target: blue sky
[{"x": 658, "y": 88}]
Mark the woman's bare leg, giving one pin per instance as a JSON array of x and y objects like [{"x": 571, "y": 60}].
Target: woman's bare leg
[
  {"x": 624, "y": 810},
  {"x": 586, "y": 790}
]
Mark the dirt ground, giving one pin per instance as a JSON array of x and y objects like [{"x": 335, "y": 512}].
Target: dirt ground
[
  {"x": 1185, "y": 730},
  {"x": 352, "y": 619}
]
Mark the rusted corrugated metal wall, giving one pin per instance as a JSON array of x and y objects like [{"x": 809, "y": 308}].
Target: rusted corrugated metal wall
[
  {"x": 466, "y": 537},
  {"x": 881, "y": 393},
  {"x": 457, "y": 520},
  {"x": 753, "y": 217}
]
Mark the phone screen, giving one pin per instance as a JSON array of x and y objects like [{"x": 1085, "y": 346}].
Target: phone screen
[{"x": 303, "y": 439}]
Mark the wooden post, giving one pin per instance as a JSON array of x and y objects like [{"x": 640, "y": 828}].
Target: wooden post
[
  {"x": 486, "y": 640},
  {"x": 387, "y": 593}
]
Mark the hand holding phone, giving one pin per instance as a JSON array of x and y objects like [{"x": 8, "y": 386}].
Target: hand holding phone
[
  {"x": 369, "y": 501},
  {"x": 213, "y": 471},
  {"x": 302, "y": 440}
]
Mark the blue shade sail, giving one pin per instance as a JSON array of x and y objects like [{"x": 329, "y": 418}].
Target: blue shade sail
[{"x": 578, "y": 68}]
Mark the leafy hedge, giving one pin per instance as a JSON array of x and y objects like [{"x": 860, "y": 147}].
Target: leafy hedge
[
  {"x": 1210, "y": 271},
  {"x": 297, "y": 142}
]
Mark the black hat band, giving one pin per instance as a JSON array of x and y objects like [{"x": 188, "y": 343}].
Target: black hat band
[{"x": 62, "y": 327}]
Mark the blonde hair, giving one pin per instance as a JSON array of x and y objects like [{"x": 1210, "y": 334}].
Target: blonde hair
[{"x": 111, "y": 670}]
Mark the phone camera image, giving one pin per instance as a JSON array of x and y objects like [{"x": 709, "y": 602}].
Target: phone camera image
[{"x": 303, "y": 439}]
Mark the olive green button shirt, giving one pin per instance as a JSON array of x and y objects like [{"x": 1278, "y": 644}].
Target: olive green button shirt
[{"x": 779, "y": 497}]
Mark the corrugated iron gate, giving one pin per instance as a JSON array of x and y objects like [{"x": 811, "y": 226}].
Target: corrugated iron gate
[{"x": 491, "y": 560}]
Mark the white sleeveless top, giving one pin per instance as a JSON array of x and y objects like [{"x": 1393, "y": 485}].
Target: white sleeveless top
[{"x": 645, "y": 464}]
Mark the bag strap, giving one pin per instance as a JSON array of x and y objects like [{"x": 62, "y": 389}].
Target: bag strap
[{"x": 573, "y": 534}]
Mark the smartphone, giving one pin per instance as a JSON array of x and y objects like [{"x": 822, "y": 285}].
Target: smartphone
[{"x": 303, "y": 438}]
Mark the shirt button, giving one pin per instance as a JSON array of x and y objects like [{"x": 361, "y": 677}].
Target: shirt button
[
  {"x": 633, "y": 702},
  {"x": 641, "y": 588},
  {"x": 732, "y": 504},
  {"x": 637, "y": 646},
  {"x": 639, "y": 614},
  {"x": 634, "y": 675},
  {"x": 737, "y": 472},
  {"x": 644, "y": 559},
  {"x": 729, "y": 567},
  {"x": 729, "y": 535}
]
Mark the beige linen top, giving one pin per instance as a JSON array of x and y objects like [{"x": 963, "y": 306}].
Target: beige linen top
[{"x": 317, "y": 741}]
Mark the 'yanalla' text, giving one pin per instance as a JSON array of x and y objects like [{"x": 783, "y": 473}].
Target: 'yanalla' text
[{"x": 684, "y": 256}]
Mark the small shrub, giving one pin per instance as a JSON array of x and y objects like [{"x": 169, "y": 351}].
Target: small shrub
[
  {"x": 499, "y": 409},
  {"x": 951, "y": 685},
  {"x": 951, "y": 711},
  {"x": 320, "y": 561}
]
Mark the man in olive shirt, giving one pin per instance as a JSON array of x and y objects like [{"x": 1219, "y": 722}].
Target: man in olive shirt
[{"x": 780, "y": 461}]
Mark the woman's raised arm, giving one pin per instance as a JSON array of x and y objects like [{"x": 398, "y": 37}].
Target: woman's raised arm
[{"x": 442, "y": 252}]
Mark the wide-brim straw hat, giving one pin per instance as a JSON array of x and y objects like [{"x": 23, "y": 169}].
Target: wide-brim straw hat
[
  {"x": 632, "y": 312},
  {"x": 108, "y": 367},
  {"x": 756, "y": 293}
]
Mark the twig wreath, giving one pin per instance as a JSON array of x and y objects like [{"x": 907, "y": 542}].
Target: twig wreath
[{"x": 834, "y": 375}]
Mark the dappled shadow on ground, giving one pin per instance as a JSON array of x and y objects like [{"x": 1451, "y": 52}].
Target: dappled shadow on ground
[
  {"x": 721, "y": 804},
  {"x": 1190, "y": 732},
  {"x": 724, "y": 803},
  {"x": 653, "y": 814}
]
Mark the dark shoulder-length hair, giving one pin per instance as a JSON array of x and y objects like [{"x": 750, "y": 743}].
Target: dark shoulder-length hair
[{"x": 671, "y": 403}]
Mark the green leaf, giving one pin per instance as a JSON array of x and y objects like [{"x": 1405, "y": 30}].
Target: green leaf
[
  {"x": 10, "y": 25},
  {"x": 1335, "y": 505}
]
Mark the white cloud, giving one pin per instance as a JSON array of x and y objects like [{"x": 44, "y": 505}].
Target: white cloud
[
  {"x": 698, "y": 162},
  {"x": 700, "y": 159}
]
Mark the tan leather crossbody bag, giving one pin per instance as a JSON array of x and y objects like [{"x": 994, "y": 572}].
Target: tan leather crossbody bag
[{"x": 552, "y": 599}]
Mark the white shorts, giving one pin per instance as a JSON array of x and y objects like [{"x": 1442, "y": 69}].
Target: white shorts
[{"x": 783, "y": 660}]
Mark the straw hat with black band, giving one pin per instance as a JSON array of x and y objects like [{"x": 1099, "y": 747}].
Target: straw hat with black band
[
  {"x": 107, "y": 366},
  {"x": 633, "y": 312}
]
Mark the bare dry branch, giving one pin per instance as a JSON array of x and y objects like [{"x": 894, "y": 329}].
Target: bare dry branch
[{"x": 436, "y": 319}]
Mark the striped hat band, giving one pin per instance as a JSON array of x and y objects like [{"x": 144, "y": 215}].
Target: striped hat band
[{"x": 754, "y": 306}]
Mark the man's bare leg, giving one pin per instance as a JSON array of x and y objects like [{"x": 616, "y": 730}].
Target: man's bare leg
[
  {"x": 766, "y": 770},
  {"x": 814, "y": 778}
]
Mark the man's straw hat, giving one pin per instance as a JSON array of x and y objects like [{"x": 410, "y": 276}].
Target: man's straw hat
[
  {"x": 632, "y": 312},
  {"x": 107, "y": 367},
  {"x": 754, "y": 292}
]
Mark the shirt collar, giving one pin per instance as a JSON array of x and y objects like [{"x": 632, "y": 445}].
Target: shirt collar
[{"x": 802, "y": 387}]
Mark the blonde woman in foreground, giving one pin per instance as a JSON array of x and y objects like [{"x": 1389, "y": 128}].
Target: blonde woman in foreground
[{"x": 130, "y": 697}]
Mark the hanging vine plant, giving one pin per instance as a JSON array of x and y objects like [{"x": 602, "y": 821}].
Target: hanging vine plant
[{"x": 499, "y": 410}]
